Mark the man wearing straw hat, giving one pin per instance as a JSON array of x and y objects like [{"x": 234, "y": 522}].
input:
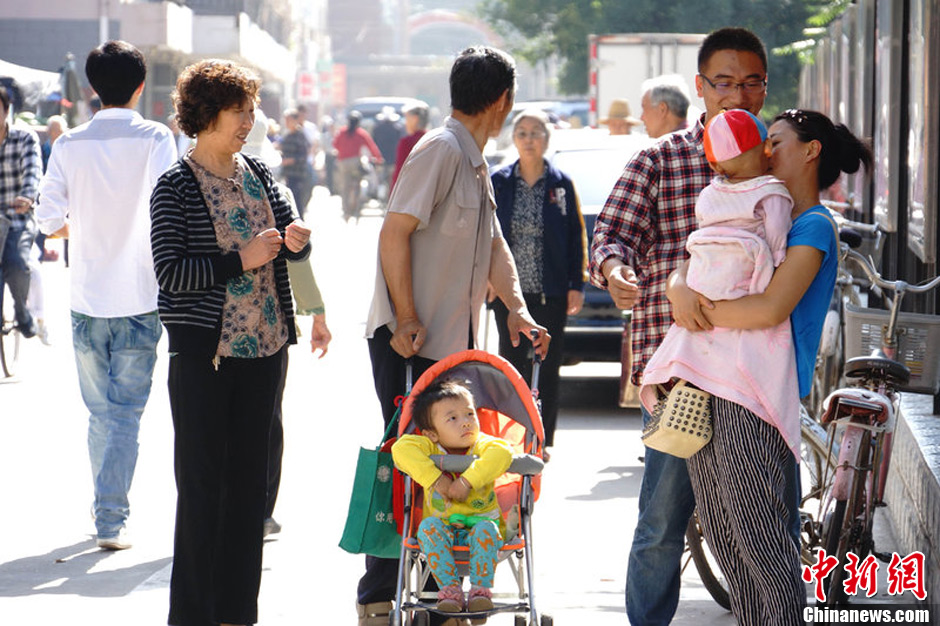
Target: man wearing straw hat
[{"x": 618, "y": 120}]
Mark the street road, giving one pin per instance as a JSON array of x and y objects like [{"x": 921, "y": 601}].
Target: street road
[{"x": 51, "y": 572}]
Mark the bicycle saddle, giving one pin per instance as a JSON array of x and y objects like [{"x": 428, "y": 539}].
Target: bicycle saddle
[{"x": 876, "y": 366}]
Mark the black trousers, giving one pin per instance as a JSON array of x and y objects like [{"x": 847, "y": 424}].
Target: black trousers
[
  {"x": 552, "y": 314},
  {"x": 221, "y": 420},
  {"x": 276, "y": 448}
]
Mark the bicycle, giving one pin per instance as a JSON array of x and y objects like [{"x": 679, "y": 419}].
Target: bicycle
[
  {"x": 861, "y": 416},
  {"x": 10, "y": 338}
]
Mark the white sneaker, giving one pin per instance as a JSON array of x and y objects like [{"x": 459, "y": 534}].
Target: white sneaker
[
  {"x": 120, "y": 542},
  {"x": 42, "y": 332}
]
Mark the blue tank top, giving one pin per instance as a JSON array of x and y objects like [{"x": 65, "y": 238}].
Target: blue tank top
[{"x": 814, "y": 228}]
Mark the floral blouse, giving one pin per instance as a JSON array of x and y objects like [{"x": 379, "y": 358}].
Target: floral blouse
[
  {"x": 253, "y": 323},
  {"x": 527, "y": 233}
]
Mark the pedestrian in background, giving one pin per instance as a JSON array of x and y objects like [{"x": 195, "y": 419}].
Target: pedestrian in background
[
  {"x": 618, "y": 120},
  {"x": 439, "y": 246},
  {"x": 20, "y": 169},
  {"x": 665, "y": 105},
  {"x": 386, "y": 133},
  {"x": 220, "y": 261},
  {"x": 296, "y": 169},
  {"x": 96, "y": 193},
  {"x": 416, "y": 124},
  {"x": 349, "y": 142},
  {"x": 541, "y": 219}
]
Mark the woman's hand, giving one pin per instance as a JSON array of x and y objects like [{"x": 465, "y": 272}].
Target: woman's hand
[
  {"x": 575, "y": 301},
  {"x": 261, "y": 249},
  {"x": 296, "y": 235},
  {"x": 320, "y": 335}
]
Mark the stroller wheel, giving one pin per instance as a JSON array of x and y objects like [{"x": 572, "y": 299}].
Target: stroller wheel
[
  {"x": 421, "y": 618},
  {"x": 520, "y": 620},
  {"x": 547, "y": 620}
]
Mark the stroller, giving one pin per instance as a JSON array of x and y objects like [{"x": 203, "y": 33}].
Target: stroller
[{"x": 507, "y": 409}]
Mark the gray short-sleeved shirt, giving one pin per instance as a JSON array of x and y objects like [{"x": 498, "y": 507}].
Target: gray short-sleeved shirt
[{"x": 444, "y": 184}]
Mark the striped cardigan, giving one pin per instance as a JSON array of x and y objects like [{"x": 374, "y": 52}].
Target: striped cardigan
[{"x": 192, "y": 271}]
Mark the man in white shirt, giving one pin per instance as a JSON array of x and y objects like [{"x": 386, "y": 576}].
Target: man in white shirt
[{"x": 96, "y": 192}]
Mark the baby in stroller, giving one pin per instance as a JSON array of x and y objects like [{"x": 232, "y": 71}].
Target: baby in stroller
[{"x": 458, "y": 509}]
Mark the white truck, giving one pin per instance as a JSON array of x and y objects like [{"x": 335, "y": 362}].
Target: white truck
[{"x": 620, "y": 63}]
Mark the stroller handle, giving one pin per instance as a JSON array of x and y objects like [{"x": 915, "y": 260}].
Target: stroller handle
[{"x": 522, "y": 464}]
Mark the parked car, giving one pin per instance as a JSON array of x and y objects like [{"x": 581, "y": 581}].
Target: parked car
[{"x": 594, "y": 159}]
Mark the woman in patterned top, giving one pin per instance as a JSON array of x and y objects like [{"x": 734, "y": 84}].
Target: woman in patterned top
[
  {"x": 541, "y": 219},
  {"x": 221, "y": 231}
]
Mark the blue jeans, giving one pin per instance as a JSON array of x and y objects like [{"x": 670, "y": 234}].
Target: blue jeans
[
  {"x": 14, "y": 270},
  {"x": 115, "y": 359},
  {"x": 653, "y": 570}
]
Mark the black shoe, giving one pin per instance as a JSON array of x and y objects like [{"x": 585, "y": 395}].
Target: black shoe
[{"x": 28, "y": 330}]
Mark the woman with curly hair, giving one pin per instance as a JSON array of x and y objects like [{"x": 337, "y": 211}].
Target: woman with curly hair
[{"x": 221, "y": 234}]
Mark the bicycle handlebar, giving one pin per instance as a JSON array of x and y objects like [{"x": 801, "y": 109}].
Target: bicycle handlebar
[{"x": 897, "y": 286}]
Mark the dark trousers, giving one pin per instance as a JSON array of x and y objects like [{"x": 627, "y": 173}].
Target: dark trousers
[
  {"x": 14, "y": 269},
  {"x": 388, "y": 371},
  {"x": 276, "y": 447},
  {"x": 221, "y": 420},
  {"x": 302, "y": 188},
  {"x": 552, "y": 314}
]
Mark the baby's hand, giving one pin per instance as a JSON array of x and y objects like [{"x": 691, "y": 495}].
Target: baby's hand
[
  {"x": 459, "y": 489},
  {"x": 442, "y": 486}
]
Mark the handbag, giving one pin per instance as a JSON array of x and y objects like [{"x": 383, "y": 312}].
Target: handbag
[
  {"x": 682, "y": 421},
  {"x": 370, "y": 523}
]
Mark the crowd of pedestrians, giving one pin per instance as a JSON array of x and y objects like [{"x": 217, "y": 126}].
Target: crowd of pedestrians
[{"x": 201, "y": 238}]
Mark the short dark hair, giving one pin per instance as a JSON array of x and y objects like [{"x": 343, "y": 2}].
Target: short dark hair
[
  {"x": 479, "y": 77},
  {"x": 4, "y": 98},
  {"x": 206, "y": 88},
  {"x": 434, "y": 393},
  {"x": 115, "y": 70},
  {"x": 731, "y": 38},
  {"x": 840, "y": 150}
]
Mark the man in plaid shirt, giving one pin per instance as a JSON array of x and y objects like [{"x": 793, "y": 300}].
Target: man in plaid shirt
[
  {"x": 20, "y": 169},
  {"x": 639, "y": 239}
]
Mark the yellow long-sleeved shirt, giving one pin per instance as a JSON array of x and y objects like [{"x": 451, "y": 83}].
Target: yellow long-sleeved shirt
[{"x": 411, "y": 454}]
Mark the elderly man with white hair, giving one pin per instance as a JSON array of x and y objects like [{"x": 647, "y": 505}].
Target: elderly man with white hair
[{"x": 665, "y": 104}]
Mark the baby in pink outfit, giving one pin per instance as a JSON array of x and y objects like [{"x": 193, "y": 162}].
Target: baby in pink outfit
[{"x": 743, "y": 218}]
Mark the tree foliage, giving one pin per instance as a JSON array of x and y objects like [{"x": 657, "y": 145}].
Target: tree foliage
[{"x": 536, "y": 29}]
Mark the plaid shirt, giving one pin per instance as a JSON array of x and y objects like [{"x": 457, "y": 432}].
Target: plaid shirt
[
  {"x": 645, "y": 223},
  {"x": 20, "y": 169}
]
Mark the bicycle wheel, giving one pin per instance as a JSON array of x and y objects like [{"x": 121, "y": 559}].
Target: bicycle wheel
[
  {"x": 845, "y": 531},
  {"x": 9, "y": 338},
  {"x": 818, "y": 460},
  {"x": 705, "y": 564}
]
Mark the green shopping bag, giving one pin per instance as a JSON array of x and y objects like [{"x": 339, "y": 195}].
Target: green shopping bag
[{"x": 370, "y": 524}]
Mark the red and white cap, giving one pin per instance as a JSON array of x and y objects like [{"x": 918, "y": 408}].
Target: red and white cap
[{"x": 731, "y": 133}]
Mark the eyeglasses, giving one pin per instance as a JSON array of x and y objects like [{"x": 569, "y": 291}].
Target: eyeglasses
[
  {"x": 522, "y": 135},
  {"x": 727, "y": 87}
]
